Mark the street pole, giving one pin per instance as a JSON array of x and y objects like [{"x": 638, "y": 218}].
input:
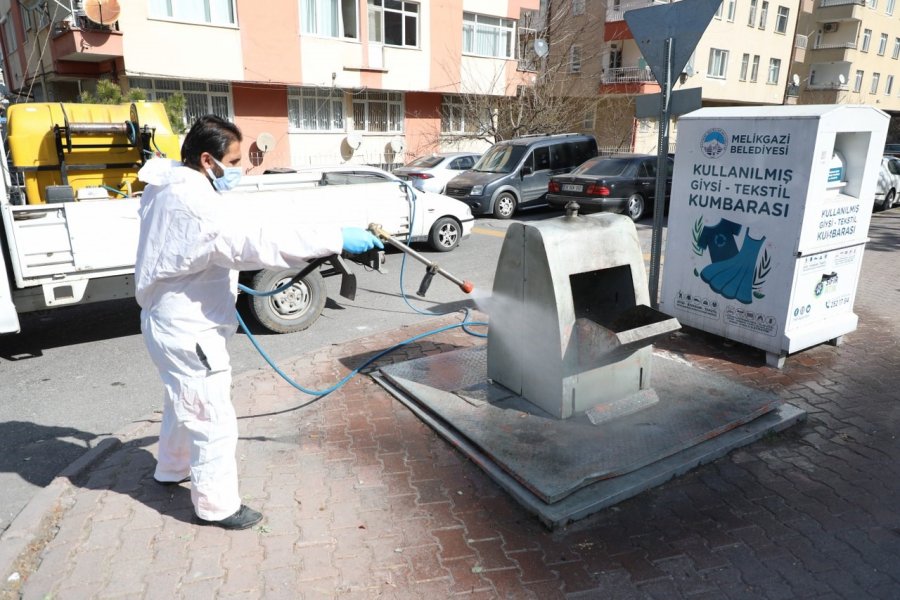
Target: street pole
[{"x": 662, "y": 168}]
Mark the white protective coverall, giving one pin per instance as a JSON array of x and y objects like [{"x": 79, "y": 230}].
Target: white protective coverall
[{"x": 190, "y": 251}]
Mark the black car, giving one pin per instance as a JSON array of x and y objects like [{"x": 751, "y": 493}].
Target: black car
[{"x": 621, "y": 183}]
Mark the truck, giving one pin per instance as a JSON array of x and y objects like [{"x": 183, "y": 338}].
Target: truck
[{"x": 69, "y": 206}]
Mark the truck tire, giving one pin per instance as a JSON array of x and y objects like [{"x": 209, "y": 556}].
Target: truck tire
[
  {"x": 445, "y": 234},
  {"x": 294, "y": 309}
]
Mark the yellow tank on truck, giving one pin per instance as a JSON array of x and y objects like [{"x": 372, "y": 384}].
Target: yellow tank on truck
[{"x": 61, "y": 149}]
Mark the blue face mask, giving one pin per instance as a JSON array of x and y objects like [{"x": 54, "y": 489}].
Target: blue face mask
[{"x": 229, "y": 179}]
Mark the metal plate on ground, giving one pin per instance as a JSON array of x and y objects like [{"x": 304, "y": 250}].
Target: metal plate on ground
[{"x": 555, "y": 458}]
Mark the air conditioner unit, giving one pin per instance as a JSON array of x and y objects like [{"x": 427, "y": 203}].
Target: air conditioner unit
[{"x": 830, "y": 27}]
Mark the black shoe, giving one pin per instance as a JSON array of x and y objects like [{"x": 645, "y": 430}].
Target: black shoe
[
  {"x": 185, "y": 480},
  {"x": 244, "y": 517}
]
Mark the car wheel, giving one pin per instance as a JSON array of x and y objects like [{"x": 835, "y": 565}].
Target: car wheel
[
  {"x": 634, "y": 207},
  {"x": 294, "y": 309},
  {"x": 445, "y": 234},
  {"x": 505, "y": 206},
  {"x": 888, "y": 200}
]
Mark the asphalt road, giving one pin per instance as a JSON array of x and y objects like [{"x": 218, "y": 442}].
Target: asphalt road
[{"x": 76, "y": 375}]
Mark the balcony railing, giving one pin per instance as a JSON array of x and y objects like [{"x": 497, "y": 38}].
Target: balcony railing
[
  {"x": 827, "y": 3},
  {"x": 629, "y": 75},
  {"x": 615, "y": 10},
  {"x": 833, "y": 45}
]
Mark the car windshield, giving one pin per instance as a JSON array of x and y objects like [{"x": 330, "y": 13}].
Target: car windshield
[
  {"x": 426, "y": 162},
  {"x": 603, "y": 167},
  {"x": 500, "y": 159}
]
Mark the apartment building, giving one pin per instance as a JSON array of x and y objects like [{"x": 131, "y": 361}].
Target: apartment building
[
  {"x": 850, "y": 54},
  {"x": 744, "y": 57},
  {"x": 367, "y": 81}
]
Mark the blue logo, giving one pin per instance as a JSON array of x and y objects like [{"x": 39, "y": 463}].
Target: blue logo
[{"x": 714, "y": 143}]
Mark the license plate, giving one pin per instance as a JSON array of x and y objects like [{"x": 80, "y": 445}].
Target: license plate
[{"x": 571, "y": 187}]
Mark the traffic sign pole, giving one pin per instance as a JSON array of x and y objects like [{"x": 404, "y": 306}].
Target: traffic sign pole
[{"x": 662, "y": 168}]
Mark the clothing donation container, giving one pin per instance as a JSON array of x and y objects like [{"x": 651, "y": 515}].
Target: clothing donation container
[{"x": 768, "y": 220}]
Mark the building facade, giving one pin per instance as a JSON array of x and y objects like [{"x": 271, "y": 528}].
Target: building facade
[{"x": 367, "y": 81}]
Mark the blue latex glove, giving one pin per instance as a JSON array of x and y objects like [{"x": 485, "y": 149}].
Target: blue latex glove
[{"x": 357, "y": 241}]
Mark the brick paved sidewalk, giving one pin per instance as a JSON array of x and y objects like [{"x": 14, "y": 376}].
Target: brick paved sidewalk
[{"x": 362, "y": 500}]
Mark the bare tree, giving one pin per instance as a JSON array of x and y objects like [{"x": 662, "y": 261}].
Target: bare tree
[{"x": 561, "y": 57}]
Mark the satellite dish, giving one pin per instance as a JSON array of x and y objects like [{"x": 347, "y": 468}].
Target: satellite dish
[
  {"x": 397, "y": 144},
  {"x": 354, "y": 140},
  {"x": 102, "y": 12},
  {"x": 541, "y": 48},
  {"x": 795, "y": 79},
  {"x": 265, "y": 141},
  {"x": 841, "y": 79}
]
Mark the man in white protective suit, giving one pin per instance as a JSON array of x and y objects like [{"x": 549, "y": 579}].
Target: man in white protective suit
[{"x": 189, "y": 254}]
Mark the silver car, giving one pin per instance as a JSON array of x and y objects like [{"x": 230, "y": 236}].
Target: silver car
[{"x": 432, "y": 172}]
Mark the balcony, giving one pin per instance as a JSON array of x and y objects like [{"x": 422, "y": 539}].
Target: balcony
[
  {"x": 628, "y": 80},
  {"x": 72, "y": 42},
  {"x": 840, "y": 10},
  {"x": 616, "y": 9},
  {"x": 628, "y": 75}
]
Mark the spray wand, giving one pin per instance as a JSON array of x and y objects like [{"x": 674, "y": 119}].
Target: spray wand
[{"x": 432, "y": 268}]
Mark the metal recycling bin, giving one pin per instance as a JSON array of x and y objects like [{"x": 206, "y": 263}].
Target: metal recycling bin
[{"x": 768, "y": 220}]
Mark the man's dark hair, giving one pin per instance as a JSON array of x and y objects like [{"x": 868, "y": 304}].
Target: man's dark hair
[{"x": 208, "y": 134}]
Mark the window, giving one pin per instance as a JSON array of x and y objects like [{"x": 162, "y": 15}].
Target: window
[
  {"x": 718, "y": 13},
  {"x": 394, "y": 23},
  {"x": 763, "y": 14},
  {"x": 462, "y": 163},
  {"x": 882, "y": 44},
  {"x": 329, "y": 18},
  {"x": 781, "y": 20},
  {"x": 575, "y": 59},
  {"x": 588, "y": 122},
  {"x": 577, "y": 7},
  {"x": 774, "y": 70},
  {"x": 378, "y": 111},
  {"x": 896, "y": 52},
  {"x": 488, "y": 36},
  {"x": 718, "y": 63},
  {"x": 876, "y": 80},
  {"x": 872, "y": 4},
  {"x": 754, "y": 68},
  {"x": 26, "y": 18},
  {"x": 866, "y": 40},
  {"x": 857, "y": 84},
  {"x": 315, "y": 109},
  {"x": 889, "y": 9},
  {"x": 214, "y": 12},
  {"x": 745, "y": 64},
  {"x": 732, "y": 8},
  {"x": 201, "y": 97},
  {"x": 888, "y": 85},
  {"x": 751, "y": 20}
]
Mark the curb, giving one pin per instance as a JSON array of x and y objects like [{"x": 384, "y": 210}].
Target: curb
[{"x": 27, "y": 526}]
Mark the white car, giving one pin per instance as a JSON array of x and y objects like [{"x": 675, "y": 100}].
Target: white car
[
  {"x": 888, "y": 186},
  {"x": 357, "y": 195},
  {"x": 432, "y": 172}
]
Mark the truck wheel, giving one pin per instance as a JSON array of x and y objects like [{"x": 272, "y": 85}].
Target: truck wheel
[
  {"x": 294, "y": 309},
  {"x": 888, "y": 200},
  {"x": 505, "y": 206},
  {"x": 445, "y": 234}
]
